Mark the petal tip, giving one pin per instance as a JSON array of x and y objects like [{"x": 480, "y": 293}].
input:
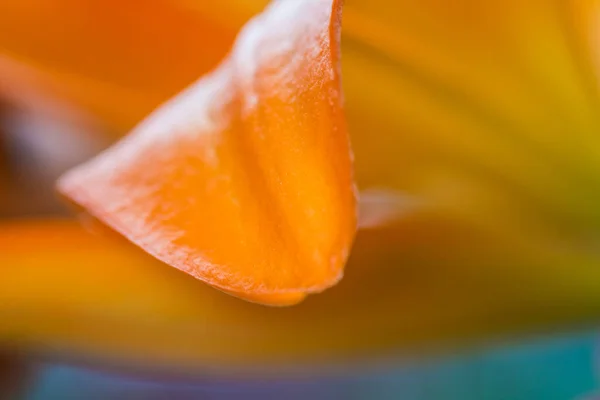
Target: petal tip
[{"x": 245, "y": 179}]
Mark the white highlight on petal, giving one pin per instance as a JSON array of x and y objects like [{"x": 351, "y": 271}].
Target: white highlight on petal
[{"x": 378, "y": 207}]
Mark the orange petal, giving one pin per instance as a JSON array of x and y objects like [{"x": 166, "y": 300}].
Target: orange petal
[
  {"x": 245, "y": 179},
  {"x": 115, "y": 60}
]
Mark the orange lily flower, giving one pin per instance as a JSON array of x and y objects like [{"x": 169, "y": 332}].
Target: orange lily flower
[
  {"x": 257, "y": 151},
  {"x": 473, "y": 131}
]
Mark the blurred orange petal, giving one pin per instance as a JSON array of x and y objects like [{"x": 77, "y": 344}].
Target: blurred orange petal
[
  {"x": 114, "y": 60},
  {"x": 486, "y": 112},
  {"x": 245, "y": 179},
  {"x": 100, "y": 299}
]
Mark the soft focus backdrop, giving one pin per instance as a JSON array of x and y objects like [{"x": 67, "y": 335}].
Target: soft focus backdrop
[{"x": 487, "y": 113}]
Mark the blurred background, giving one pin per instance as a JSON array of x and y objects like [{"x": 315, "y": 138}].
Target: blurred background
[
  {"x": 490, "y": 108},
  {"x": 546, "y": 369}
]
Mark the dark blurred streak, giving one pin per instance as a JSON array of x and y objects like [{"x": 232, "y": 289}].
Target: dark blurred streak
[
  {"x": 34, "y": 150},
  {"x": 14, "y": 377}
]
